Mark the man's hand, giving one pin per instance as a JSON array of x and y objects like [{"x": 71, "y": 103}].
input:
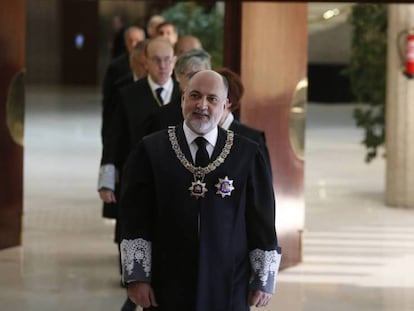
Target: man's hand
[
  {"x": 107, "y": 195},
  {"x": 142, "y": 294},
  {"x": 259, "y": 299}
]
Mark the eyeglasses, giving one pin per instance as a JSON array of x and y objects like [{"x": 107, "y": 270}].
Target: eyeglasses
[{"x": 157, "y": 60}]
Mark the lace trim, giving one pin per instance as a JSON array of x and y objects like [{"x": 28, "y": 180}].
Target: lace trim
[
  {"x": 139, "y": 251},
  {"x": 264, "y": 264}
]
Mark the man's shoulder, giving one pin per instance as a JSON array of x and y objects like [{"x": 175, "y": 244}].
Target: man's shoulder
[
  {"x": 154, "y": 141},
  {"x": 240, "y": 141},
  {"x": 176, "y": 85},
  {"x": 247, "y": 131},
  {"x": 138, "y": 86},
  {"x": 119, "y": 65},
  {"x": 120, "y": 60},
  {"x": 124, "y": 80}
]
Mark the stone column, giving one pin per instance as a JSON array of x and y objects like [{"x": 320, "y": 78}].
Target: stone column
[
  {"x": 399, "y": 114},
  {"x": 274, "y": 49}
]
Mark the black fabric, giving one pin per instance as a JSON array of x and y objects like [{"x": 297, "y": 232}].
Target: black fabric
[
  {"x": 200, "y": 246},
  {"x": 129, "y": 305},
  {"x": 202, "y": 158},
  {"x": 136, "y": 105},
  {"x": 117, "y": 69},
  {"x": 158, "y": 92},
  {"x": 166, "y": 116},
  {"x": 117, "y": 76},
  {"x": 255, "y": 135},
  {"x": 127, "y": 106}
]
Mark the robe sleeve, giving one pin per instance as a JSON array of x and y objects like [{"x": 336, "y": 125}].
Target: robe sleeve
[
  {"x": 136, "y": 217},
  {"x": 264, "y": 252}
]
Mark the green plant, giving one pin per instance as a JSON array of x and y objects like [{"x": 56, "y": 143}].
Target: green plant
[
  {"x": 194, "y": 19},
  {"x": 367, "y": 72}
]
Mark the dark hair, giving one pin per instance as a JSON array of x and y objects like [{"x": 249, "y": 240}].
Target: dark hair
[{"x": 235, "y": 87}]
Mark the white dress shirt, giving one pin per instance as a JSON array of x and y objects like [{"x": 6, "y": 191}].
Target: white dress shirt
[
  {"x": 190, "y": 136},
  {"x": 166, "y": 92}
]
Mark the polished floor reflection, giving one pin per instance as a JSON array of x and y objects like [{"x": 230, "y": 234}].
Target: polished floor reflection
[{"x": 358, "y": 254}]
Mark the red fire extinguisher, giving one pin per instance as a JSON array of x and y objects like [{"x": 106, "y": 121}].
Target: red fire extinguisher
[{"x": 407, "y": 53}]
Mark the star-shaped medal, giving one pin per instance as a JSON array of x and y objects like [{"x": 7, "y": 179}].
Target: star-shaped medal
[
  {"x": 198, "y": 189},
  {"x": 224, "y": 187}
]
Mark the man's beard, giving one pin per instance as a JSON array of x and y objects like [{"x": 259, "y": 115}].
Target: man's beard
[{"x": 201, "y": 125}]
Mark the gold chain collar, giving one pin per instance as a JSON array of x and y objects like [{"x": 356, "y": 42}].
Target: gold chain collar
[{"x": 198, "y": 171}]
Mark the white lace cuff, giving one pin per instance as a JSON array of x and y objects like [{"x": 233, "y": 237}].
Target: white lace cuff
[
  {"x": 265, "y": 266},
  {"x": 107, "y": 177},
  {"x": 136, "y": 260}
]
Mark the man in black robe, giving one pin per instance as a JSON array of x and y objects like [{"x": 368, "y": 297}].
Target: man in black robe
[{"x": 198, "y": 213}]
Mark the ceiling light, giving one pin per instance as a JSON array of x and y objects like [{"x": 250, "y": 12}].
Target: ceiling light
[{"x": 331, "y": 13}]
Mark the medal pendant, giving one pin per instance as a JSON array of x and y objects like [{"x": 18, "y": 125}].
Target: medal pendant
[
  {"x": 198, "y": 189},
  {"x": 224, "y": 187}
]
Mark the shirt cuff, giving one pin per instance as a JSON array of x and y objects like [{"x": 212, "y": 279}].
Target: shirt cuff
[
  {"x": 265, "y": 266},
  {"x": 136, "y": 260},
  {"x": 107, "y": 177}
]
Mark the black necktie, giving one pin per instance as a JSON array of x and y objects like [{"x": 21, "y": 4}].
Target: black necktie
[
  {"x": 202, "y": 158},
  {"x": 159, "y": 91}
]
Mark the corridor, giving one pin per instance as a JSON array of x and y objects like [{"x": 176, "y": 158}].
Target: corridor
[{"x": 358, "y": 255}]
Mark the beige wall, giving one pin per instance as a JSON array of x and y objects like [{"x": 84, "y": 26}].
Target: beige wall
[{"x": 43, "y": 62}]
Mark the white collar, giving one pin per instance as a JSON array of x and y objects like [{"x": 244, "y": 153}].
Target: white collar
[
  {"x": 228, "y": 121},
  {"x": 190, "y": 136},
  {"x": 166, "y": 86}
]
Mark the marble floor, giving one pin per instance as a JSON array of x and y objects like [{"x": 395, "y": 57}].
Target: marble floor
[{"x": 358, "y": 253}]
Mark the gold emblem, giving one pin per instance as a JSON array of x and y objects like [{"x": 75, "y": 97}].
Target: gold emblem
[
  {"x": 224, "y": 187},
  {"x": 198, "y": 189}
]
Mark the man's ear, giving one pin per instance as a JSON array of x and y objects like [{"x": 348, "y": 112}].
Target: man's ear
[
  {"x": 182, "y": 98},
  {"x": 146, "y": 64},
  {"x": 227, "y": 104}
]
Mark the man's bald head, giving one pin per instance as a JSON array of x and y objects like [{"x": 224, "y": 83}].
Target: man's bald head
[{"x": 187, "y": 43}]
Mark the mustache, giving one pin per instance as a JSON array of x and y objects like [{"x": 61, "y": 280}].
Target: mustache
[{"x": 201, "y": 112}]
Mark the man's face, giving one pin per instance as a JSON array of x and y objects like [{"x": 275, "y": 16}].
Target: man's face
[
  {"x": 160, "y": 60},
  {"x": 183, "y": 78},
  {"x": 134, "y": 36},
  {"x": 138, "y": 65},
  {"x": 168, "y": 32},
  {"x": 204, "y": 101}
]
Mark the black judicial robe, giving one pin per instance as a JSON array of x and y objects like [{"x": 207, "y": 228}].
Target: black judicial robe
[
  {"x": 198, "y": 254},
  {"x": 116, "y": 69},
  {"x": 135, "y": 106},
  {"x": 110, "y": 210},
  {"x": 253, "y": 134}
]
